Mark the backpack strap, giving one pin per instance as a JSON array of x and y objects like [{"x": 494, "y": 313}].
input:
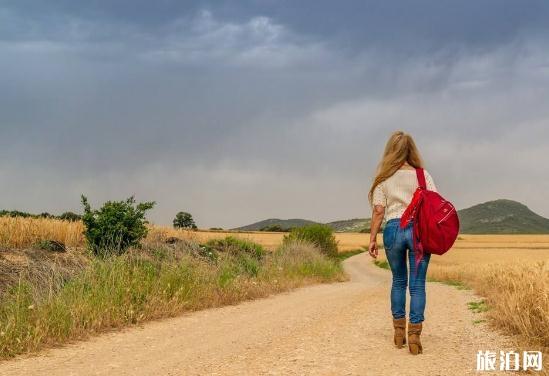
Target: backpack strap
[{"x": 421, "y": 178}]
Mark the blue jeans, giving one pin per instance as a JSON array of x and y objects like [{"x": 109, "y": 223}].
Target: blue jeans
[{"x": 397, "y": 241}]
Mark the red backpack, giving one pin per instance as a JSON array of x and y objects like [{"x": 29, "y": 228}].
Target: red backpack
[{"x": 435, "y": 220}]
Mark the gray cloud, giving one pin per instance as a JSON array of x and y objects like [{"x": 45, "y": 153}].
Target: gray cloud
[{"x": 241, "y": 112}]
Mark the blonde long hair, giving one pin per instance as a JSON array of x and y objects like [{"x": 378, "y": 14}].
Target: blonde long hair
[{"x": 400, "y": 148}]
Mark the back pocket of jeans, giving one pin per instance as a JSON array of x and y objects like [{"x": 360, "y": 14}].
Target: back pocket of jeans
[{"x": 389, "y": 236}]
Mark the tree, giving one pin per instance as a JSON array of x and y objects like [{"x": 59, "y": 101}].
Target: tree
[{"x": 184, "y": 220}]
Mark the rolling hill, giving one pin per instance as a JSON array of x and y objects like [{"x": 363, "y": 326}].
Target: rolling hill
[
  {"x": 492, "y": 217},
  {"x": 502, "y": 217},
  {"x": 346, "y": 225}
]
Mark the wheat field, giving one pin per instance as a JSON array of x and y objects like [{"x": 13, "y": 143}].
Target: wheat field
[{"x": 19, "y": 233}]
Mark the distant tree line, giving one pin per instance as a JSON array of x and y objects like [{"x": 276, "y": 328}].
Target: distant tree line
[
  {"x": 66, "y": 216},
  {"x": 276, "y": 228}
]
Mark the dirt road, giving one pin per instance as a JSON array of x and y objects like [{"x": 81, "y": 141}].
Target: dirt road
[{"x": 335, "y": 329}]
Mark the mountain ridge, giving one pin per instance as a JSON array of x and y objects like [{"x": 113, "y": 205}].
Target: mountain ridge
[{"x": 501, "y": 216}]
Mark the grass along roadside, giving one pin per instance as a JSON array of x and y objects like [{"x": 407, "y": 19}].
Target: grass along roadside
[
  {"x": 150, "y": 283},
  {"x": 346, "y": 254},
  {"x": 383, "y": 264},
  {"x": 478, "y": 307}
]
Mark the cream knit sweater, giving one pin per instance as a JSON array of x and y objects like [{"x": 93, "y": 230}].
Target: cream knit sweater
[{"x": 396, "y": 192}]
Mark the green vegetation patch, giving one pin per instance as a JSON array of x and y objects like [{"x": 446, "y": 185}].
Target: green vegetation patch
[
  {"x": 383, "y": 264},
  {"x": 476, "y": 322},
  {"x": 478, "y": 307},
  {"x": 320, "y": 235},
  {"x": 345, "y": 255},
  {"x": 460, "y": 285}
]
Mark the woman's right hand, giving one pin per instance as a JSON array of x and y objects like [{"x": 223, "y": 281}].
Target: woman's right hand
[{"x": 372, "y": 249}]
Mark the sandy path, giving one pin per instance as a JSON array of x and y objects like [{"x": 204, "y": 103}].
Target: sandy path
[{"x": 333, "y": 329}]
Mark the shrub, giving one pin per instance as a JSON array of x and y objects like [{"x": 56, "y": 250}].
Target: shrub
[
  {"x": 184, "y": 220},
  {"x": 235, "y": 246},
  {"x": 247, "y": 255},
  {"x": 320, "y": 235},
  {"x": 115, "y": 227}
]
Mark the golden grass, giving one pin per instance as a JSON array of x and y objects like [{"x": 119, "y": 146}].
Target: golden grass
[
  {"x": 269, "y": 240},
  {"x": 20, "y": 232}
]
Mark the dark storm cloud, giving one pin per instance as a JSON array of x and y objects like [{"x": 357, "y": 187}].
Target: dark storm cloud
[
  {"x": 436, "y": 22},
  {"x": 237, "y": 111}
]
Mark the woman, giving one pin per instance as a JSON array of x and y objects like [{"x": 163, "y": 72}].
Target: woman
[{"x": 390, "y": 194}]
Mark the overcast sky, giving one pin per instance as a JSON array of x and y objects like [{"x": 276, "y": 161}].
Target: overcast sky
[{"x": 238, "y": 111}]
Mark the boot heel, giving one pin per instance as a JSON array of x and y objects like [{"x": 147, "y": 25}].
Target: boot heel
[
  {"x": 400, "y": 332},
  {"x": 414, "y": 342},
  {"x": 415, "y": 348}
]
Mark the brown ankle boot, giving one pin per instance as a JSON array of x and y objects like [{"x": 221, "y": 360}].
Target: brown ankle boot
[
  {"x": 414, "y": 344},
  {"x": 400, "y": 331}
]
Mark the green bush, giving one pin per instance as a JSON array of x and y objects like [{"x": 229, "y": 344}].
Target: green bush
[
  {"x": 238, "y": 257},
  {"x": 115, "y": 227},
  {"x": 320, "y": 235},
  {"x": 235, "y": 246}
]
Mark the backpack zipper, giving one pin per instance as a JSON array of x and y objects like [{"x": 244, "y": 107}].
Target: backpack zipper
[{"x": 447, "y": 214}]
